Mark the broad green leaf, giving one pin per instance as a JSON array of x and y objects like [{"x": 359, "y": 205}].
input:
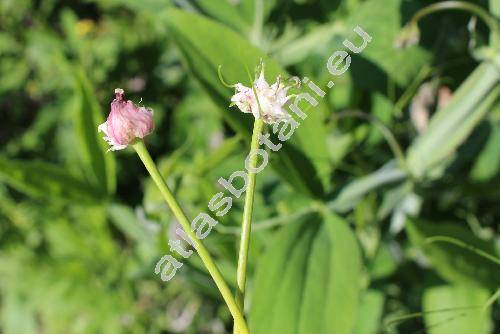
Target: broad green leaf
[
  {"x": 205, "y": 45},
  {"x": 451, "y": 126},
  {"x": 381, "y": 19},
  {"x": 452, "y": 262},
  {"x": 191, "y": 129},
  {"x": 348, "y": 196},
  {"x": 262, "y": 8},
  {"x": 320, "y": 40},
  {"x": 45, "y": 180},
  {"x": 487, "y": 164},
  {"x": 227, "y": 12},
  {"x": 370, "y": 313},
  {"x": 100, "y": 167},
  {"x": 308, "y": 281},
  {"x": 384, "y": 264},
  {"x": 455, "y": 309}
]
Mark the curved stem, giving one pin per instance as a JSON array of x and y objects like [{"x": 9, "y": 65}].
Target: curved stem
[
  {"x": 491, "y": 300},
  {"x": 400, "y": 319},
  {"x": 179, "y": 214},
  {"x": 459, "y": 243},
  {"x": 246, "y": 225},
  {"x": 221, "y": 78},
  {"x": 410, "y": 92},
  {"x": 490, "y": 21}
]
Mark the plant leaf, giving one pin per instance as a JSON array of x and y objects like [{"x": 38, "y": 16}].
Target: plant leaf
[
  {"x": 456, "y": 264},
  {"x": 469, "y": 316},
  {"x": 204, "y": 45},
  {"x": 451, "y": 126},
  {"x": 370, "y": 313},
  {"x": 348, "y": 196},
  {"x": 226, "y": 12},
  {"x": 99, "y": 166},
  {"x": 487, "y": 163},
  {"x": 381, "y": 19},
  {"x": 41, "y": 179},
  {"x": 308, "y": 281}
]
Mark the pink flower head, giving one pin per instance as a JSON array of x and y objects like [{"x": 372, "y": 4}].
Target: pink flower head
[{"x": 126, "y": 122}]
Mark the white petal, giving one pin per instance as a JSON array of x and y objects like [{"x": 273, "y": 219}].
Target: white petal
[
  {"x": 113, "y": 145},
  {"x": 103, "y": 128},
  {"x": 117, "y": 147},
  {"x": 261, "y": 83},
  {"x": 242, "y": 88}
]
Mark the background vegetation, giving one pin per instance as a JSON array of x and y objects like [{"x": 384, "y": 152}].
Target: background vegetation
[{"x": 344, "y": 215}]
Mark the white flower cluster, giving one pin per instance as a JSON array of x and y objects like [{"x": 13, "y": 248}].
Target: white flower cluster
[{"x": 271, "y": 99}]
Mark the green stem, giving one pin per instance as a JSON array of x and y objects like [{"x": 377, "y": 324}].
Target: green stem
[
  {"x": 246, "y": 225},
  {"x": 400, "y": 319},
  {"x": 491, "y": 300},
  {"x": 459, "y": 243},
  {"x": 409, "y": 93},
  {"x": 490, "y": 21},
  {"x": 209, "y": 263}
]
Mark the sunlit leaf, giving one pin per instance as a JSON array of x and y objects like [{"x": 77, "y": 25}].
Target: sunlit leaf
[
  {"x": 347, "y": 196},
  {"x": 370, "y": 313},
  {"x": 487, "y": 164},
  {"x": 92, "y": 148},
  {"x": 454, "y": 263},
  {"x": 204, "y": 44},
  {"x": 455, "y": 309},
  {"x": 309, "y": 280},
  {"x": 451, "y": 125},
  {"x": 382, "y": 19}
]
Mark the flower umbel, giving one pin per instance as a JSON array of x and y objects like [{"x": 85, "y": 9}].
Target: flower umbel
[
  {"x": 271, "y": 99},
  {"x": 126, "y": 122}
]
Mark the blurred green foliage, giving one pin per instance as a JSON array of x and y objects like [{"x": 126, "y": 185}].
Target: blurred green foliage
[{"x": 342, "y": 216}]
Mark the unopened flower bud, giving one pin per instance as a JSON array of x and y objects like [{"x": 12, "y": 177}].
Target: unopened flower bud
[{"x": 126, "y": 122}]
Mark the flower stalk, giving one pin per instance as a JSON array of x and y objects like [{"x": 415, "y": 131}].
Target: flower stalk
[
  {"x": 246, "y": 227},
  {"x": 489, "y": 20},
  {"x": 266, "y": 103},
  {"x": 179, "y": 214}
]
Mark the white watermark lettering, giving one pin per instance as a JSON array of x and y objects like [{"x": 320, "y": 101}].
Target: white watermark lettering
[{"x": 220, "y": 204}]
